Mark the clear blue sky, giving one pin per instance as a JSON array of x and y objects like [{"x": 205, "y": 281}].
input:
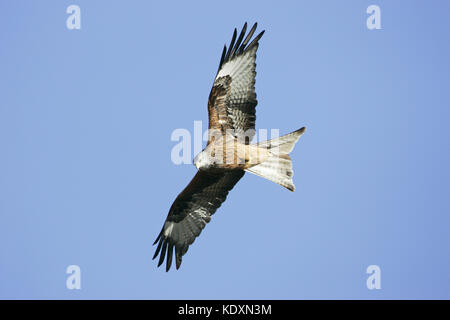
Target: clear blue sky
[{"x": 86, "y": 176}]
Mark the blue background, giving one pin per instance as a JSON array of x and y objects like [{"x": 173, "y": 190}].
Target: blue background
[{"x": 86, "y": 176}]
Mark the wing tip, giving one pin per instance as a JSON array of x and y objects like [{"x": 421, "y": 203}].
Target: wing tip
[
  {"x": 157, "y": 238},
  {"x": 166, "y": 252},
  {"x": 158, "y": 248},
  {"x": 163, "y": 253},
  {"x": 236, "y": 48}
]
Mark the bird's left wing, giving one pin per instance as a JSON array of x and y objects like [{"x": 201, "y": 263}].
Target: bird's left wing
[{"x": 191, "y": 211}]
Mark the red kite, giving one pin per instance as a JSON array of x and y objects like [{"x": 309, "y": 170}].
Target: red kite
[{"x": 228, "y": 154}]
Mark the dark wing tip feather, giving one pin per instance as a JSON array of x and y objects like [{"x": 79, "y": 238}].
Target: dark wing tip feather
[
  {"x": 223, "y": 56},
  {"x": 165, "y": 246},
  {"x": 157, "y": 248},
  {"x": 163, "y": 253},
  {"x": 255, "y": 41},
  {"x": 247, "y": 39},
  {"x": 169, "y": 256},
  {"x": 159, "y": 237},
  {"x": 239, "y": 40},
  {"x": 233, "y": 39},
  {"x": 239, "y": 47},
  {"x": 178, "y": 256}
]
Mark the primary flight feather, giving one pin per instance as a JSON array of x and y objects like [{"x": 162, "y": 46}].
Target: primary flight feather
[{"x": 228, "y": 154}]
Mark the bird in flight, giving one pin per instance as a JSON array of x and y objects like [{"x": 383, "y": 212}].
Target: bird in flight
[{"x": 228, "y": 153}]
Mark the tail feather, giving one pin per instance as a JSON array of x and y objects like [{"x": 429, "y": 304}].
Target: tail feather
[
  {"x": 283, "y": 144},
  {"x": 278, "y": 167}
]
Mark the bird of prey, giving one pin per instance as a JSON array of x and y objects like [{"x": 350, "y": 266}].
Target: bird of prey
[{"x": 228, "y": 153}]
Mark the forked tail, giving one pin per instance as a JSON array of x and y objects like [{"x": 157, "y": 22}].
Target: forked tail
[{"x": 278, "y": 167}]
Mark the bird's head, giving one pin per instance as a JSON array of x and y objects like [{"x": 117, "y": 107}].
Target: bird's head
[{"x": 201, "y": 161}]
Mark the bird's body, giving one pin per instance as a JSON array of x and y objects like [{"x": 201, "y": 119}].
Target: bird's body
[{"x": 229, "y": 153}]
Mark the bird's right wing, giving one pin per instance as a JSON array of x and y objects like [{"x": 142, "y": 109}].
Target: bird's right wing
[
  {"x": 191, "y": 211},
  {"x": 232, "y": 101}
]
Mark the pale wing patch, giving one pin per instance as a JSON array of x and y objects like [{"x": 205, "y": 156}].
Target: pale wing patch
[{"x": 235, "y": 67}]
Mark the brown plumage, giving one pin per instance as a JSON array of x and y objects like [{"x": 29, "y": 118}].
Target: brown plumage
[{"x": 228, "y": 154}]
